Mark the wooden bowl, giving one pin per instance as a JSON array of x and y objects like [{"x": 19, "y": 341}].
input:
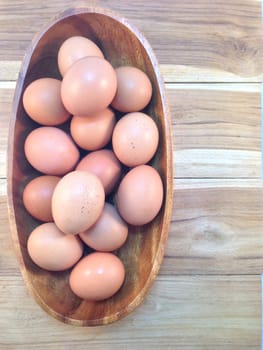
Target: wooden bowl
[{"x": 142, "y": 254}]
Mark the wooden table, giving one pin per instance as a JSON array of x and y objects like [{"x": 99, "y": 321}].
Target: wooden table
[{"x": 208, "y": 292}]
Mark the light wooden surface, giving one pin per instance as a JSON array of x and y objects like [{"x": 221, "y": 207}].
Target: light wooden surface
[{"x": 208, "y": 292}]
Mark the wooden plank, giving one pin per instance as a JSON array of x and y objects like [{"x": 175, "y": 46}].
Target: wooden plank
[
  {"x": 179, "y": 73},
  {"x": 8, "y": 262},
  {"x": 216, "y": 129},
  {"x": 216, "y": 227},
  {"x": 207, "y": 163},
  {"x": 202, "y": 312},
  {"x": 6, "y": 96},
  {"x": 212, "y": 118},
  {"x": 172, "y": 73},
  {"x": 199, "y": 40},
  {"x": 9, "y": 70}
]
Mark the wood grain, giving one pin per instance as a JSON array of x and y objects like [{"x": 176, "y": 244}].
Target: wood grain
[
  {"x": 6, "y": 97},
  {"x": 216, "y": 229},
  {"x": 221, "y": 38},
  {"x": 207, "y": 295},
  {"x": 171, "y": 73},
  {"x": 198, "y": 312},
  {"x": 217, "y": 133},
  {"x": 216, "y": 129}
]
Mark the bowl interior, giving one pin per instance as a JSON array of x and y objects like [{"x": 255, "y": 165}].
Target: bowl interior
[{"x": 140, "y": 253}]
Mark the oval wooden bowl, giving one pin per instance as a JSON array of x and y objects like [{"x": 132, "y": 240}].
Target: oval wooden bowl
[{"x": 142, "y": 255}]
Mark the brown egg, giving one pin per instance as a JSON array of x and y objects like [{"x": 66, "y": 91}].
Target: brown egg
[
  {"x": 140, "y": 195},
  {"x": 98, "y": 276},
  {"x": 75, "y": 48},
  {"x": 108, "y": 233},
  {"x": 77, "y": 201},
  {"x": 135, "y": 139},
  {"x": 105, "y": 165},
  {"x": 51, "y": 151},
  {"x": 42, "y": 102},
  {"x": 134, "y": 90},
  {"x": 93, "y": 132},
  {"x": 37, "y": 196},
  {"x": 88, "y": 86},
  {"x": 52, "y": 250}
]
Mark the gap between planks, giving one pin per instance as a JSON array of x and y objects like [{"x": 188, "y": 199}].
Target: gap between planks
[
  {"x": 171, "y": 73},
  {"x": 234, "y": 87},
  {"x": 191, "y": 183}
]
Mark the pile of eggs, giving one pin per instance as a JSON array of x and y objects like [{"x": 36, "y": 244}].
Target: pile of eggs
[{"x": 95, "y": 178}]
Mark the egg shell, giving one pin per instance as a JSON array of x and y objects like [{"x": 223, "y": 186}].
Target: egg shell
[
  {"x": 93, "y": 132},
  {"x": 75, "y": 48},
  {"x": 77, "y": 201},
  {"x": 134, "y": 89},
  {"x": 105, "y": 165},
  {"x": 97, "y": 276},
  {"x": 135, "y": 139},
  {"x": 51, "y": 151},
  {"x": 51, "y": 249},
  {"x": 140, "y": 195},
  {"x": 88, "y": 86},
  {"x": 42, "y": 102},
  {"x": 108, "y": 233},
  {"x": 37, "y": 196}
]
